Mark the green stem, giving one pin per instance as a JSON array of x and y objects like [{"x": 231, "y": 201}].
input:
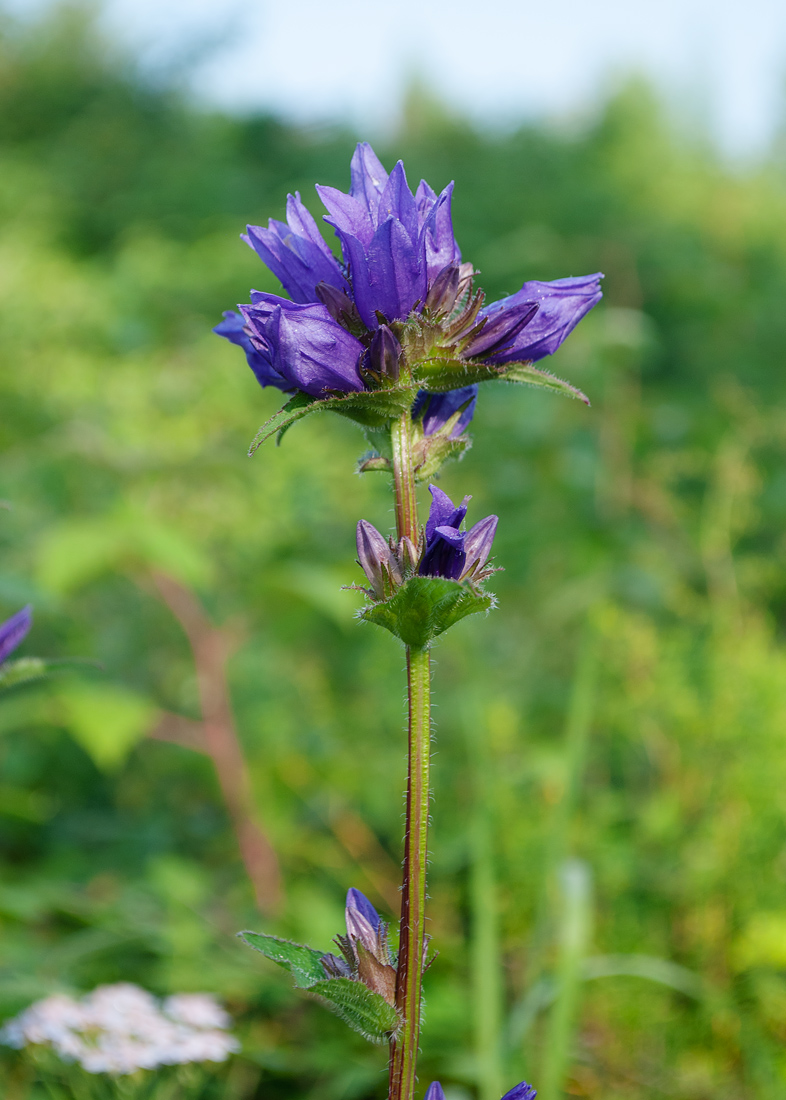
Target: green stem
[
  {"x": 412, "y": 929},
  {"x": 404, "y": 479}
]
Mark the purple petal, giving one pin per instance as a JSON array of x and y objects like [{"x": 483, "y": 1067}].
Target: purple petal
[
  {"x": 14, "y": 630},
  {"x": 434, "y": 1092},
  {"x": 440, "y": 407},
  {"x": 388, "y": 274},
  {"x": 443, "y": 512},
  {"x": 360, "y": 903},
  {"x": 562, "y": 303},
  {"x": 425, "y": 197},
  {"x": 501, "y": 329},
  {"x": 348, "y": 216},
  {"x": 296, "y": 253},
  {"x": 397, "y": 201},
  {"x": 444, "y": 555},
  {"x": 233, "y": 328},
  {"x": 440, "y": 243},
  {"x": 521, "y": 1092},
  {"x": 368, "y": 177},
  {"x": 306, "y": 346}
]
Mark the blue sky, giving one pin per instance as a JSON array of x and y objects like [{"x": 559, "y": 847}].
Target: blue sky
[{"x": 496, "y": 60}]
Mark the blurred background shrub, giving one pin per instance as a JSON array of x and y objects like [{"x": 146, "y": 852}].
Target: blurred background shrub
[{"x": 609, "y": 852}]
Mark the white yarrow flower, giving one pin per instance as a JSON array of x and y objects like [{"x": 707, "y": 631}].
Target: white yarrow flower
[{"x": 121, "y": 1028}]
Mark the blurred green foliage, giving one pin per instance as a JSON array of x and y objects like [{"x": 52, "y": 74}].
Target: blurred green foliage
[{"x": 653, "y": 522}]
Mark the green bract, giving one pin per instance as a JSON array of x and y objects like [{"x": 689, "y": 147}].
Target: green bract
[{"x": 424, "y": 607}]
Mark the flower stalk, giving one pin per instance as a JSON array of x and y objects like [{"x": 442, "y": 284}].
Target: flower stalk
[{"x": 412, "y": 928}]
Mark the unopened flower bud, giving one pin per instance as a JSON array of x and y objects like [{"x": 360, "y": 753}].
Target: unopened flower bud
[
  {"x": 384, "y": 353},
  {"x": 338, "y": 304},
  {"x": 373, "y": 555},
  {"x": 477, "y": 545},
  {"x": 444, "y": 290}
]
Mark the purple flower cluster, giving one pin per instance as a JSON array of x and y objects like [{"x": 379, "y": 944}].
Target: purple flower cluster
[
  {"x": 13, "y": 632},
  {"x": 445, "y": 550},
  {"x": 399, "y": 259}
]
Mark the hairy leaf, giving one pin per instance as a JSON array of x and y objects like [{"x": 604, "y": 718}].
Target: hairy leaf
[
  {"x": 360, "y": 1007},
  {"x": 302, "y": 962},
  {"x": 531, "y": 376}
]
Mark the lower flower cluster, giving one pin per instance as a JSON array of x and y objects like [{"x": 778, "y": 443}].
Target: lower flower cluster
[{"x": 444, "y": 549}]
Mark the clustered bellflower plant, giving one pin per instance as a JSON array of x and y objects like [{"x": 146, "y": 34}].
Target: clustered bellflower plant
[{"x": 396, "y": 336}]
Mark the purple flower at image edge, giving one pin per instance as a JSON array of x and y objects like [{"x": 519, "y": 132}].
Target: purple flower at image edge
[
  {"x": 522, "y": 1091},
  {"x": 450, "y": 552},
  {"x": 14, "y": 630}
]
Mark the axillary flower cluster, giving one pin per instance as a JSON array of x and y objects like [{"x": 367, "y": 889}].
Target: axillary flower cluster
[{"x": 396, "y": 335}]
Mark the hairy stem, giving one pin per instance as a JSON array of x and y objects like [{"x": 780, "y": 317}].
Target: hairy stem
[
  {"x": 412, "y": 929},
  {"x": 404, "y": 479}
]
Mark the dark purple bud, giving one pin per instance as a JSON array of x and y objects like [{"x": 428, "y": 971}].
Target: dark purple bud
[
  {"x": 233, "y": 328},
  {"x": 335, "y": 967},
  {"x": 436, "y": 409},
  {"x": 384, "y": 353},
  {"x": 443, "y": 512},
  {"x": 296, "y": 252},
  {"x": 373, "y": 555},
  {"x": 562, "y": 304},
  {"x": 434, "y": 1092},
  {"x": 521, "y": 1092},
  {"x": 477, "y": 545},
  {"x": 338, "y": 304},
  {"x": 444, "y": 290},
  {"x": 305, "y": 345},
  {"x": 501, "y": 329},
  {"x": 14, "y": 630}
]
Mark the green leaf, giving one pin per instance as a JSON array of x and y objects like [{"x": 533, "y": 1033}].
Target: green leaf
[
  {"x": 370, "y": 408},
  {"x": 531, "y": 376},
  {"x": 364, "y": 1010},
  {"x": 426, "y": 606},
  {"x": 302, "y": 962},
  {"x": 297, "y": 407}
]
